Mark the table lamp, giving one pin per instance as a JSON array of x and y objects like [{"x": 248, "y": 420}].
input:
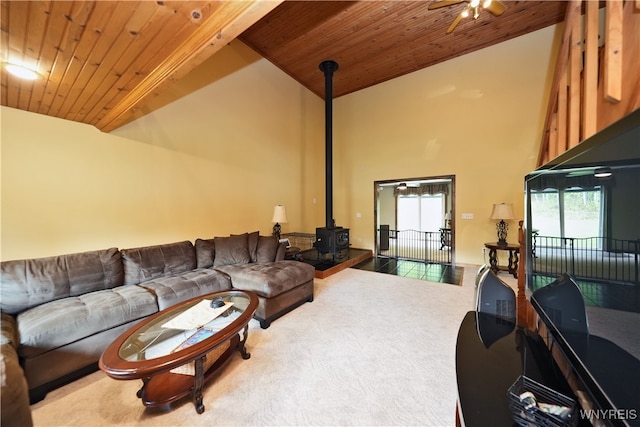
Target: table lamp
[
  {"x": 279, "y": 217},
  {"x": 502, "y": 211}
]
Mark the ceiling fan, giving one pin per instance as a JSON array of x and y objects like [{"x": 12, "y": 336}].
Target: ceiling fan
[{"x": 495, "y": 7}]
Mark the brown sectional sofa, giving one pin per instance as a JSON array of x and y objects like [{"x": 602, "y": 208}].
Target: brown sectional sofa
[{"x": 60, "y": 313}]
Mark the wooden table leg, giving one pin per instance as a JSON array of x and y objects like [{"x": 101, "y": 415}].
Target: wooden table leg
[
  {"x": 513, "y": 263},
  {"x": 198, "y": 384},
  {"x": 493, "y": 260}
]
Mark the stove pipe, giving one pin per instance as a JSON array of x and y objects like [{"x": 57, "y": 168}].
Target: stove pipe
[{"x": 328, "y": 68}]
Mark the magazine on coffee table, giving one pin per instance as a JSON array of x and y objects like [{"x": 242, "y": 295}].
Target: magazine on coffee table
[
  {"x": 200, "y": 335},
  {"x": 197, "y": 316}
]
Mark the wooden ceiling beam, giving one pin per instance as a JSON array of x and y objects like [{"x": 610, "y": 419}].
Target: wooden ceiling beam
[{"x": 229, "y": 21}]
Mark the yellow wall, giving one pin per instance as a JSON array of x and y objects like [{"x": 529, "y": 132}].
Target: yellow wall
[
  {"x": 218, "y": 159},
  {"x": 212, "y": 163},
  {"x": 478, "y": 117}
]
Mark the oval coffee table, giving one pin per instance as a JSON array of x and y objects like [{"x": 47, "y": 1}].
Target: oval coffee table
[{"x": 175, "y": 351}]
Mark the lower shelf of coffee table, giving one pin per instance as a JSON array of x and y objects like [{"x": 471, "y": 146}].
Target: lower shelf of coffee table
[{"x": 168, "y": 387}]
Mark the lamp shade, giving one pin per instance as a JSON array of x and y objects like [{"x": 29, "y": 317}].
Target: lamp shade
[
  {"x": 502, "y": 211},
  {"x": 279, "y": 215}
]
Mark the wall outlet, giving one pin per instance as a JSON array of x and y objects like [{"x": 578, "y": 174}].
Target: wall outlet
[
  {"x": 358, "y": 215},
  {"x": 467, "y": 216}
]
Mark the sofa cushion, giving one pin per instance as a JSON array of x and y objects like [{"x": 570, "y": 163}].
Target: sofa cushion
[
  {"x": 150, "y": 262},
  {"x": 252, "y": 241},
  {"x": 61, "y": 322},
  {"x": 267, "y": 249},
  {"x": 31, "y": 282},
  {"x": 231, "y": 250},
  {"x": 205, "y": 253},
  {"x": 269, "y": 279},
  {"x": 172, "y": 290}
]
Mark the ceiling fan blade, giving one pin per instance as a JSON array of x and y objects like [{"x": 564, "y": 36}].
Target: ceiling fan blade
[
  {"x": 496, "y": 8},
  {"x": 455, "y": 23},
  {"x": 443, "y": 3}
]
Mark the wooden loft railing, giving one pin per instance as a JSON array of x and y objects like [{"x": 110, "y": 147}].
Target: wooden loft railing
[
  {"x": 596, "y": 82},
  {"x": 597, "y": 75}
]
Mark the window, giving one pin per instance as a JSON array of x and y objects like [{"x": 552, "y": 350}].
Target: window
[
  {"x": 421, "y": 213},
  {"x": 571, "y": 212}
]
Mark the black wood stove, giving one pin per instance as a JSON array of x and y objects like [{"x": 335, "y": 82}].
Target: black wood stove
[{"x": 330, "y": 239}]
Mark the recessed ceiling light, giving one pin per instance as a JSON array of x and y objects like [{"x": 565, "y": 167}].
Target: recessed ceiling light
[{"x": 22, "y": 72}]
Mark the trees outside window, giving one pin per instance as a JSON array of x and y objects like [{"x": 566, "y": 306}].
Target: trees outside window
[{"x": 572, "y": 212}]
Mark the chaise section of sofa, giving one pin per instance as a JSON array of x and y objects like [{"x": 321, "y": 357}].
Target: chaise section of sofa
[{"x": 255, "y": 263}]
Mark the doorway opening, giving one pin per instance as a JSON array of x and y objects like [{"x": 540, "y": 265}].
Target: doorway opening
[{"x": 415, "y": 219}]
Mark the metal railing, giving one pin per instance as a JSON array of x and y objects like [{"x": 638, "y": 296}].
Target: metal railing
[
  {"x": 595, "y": 258},
  {"x": 425, "y": 246}
]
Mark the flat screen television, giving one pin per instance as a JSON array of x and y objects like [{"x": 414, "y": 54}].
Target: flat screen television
[{"x": 582, "y": 225}]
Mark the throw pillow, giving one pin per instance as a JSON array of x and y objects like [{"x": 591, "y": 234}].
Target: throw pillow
[
  {"x": 267, "y": 249},
  {"x": 205, "y": 253},
  {"x": 253, "y": 245},
  {"x": 231, "y": 250}
]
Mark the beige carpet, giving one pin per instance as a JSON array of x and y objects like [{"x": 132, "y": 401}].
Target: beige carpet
[{"x": 372, "y": 349}]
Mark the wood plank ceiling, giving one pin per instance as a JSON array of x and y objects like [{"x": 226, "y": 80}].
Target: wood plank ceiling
[{"x": 103, "y": 61}]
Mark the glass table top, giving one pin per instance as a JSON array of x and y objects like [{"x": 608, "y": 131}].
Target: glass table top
[{"x": 184, "y": 325}]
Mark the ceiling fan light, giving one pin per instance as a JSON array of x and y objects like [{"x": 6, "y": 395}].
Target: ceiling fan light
[
  {"x": 486, "y": 3},
  {"x": 465, "y": 13},
  {"x": 474, "y": 3}
]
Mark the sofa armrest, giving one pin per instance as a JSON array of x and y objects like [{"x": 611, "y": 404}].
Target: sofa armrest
[
  {"x": 14, "y": 392},
  {"x": 9, "y": 331}
]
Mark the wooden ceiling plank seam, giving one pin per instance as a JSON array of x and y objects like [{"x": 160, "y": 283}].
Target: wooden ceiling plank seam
[
  {"x": 224, "y": 15},
  {"x": 306, "y": 19},
  {"x": 114, "y": 84},
  {"x": 146, "y": 51},
  {"x": 380, "y": 18},
  {"x": 209, "y": 38},
  {"x": 4, "y": 48},
  {"x": 390, "y": 41},
  {"x": 56, "y": 30},
  {"x": 90, "y": 51},
  {"x": 303, "y": 72},
  {"x": 141, "y": 16},
  {"x": 113, "y": 41},
  {"x": 18, "y": 20},
  {"x": 405, "y": 56},
  {"x": 29, "y": 60},
  {"x": 341, "y": 26},
  {"x": 40, "y": 19},
  {"x": 77, "y": 26}
]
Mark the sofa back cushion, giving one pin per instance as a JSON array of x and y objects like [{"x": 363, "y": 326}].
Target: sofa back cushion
[
  {"x": 267, "y": 249},
  {"x": 151, "y": 262},
  {"x": 30, "y": 282},
  {"x": 231, "y": 250},
  {"x": 205, "y": 252}
]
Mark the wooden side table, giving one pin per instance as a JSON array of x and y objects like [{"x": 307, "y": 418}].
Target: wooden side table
[
  {"x": 513, "y": 257},
  {"x": 293, "y": 253}
]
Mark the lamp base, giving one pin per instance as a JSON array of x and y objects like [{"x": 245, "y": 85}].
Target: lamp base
[
  {"x": 502, "y": 232},
  {"x": 276, "y": 230}
]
